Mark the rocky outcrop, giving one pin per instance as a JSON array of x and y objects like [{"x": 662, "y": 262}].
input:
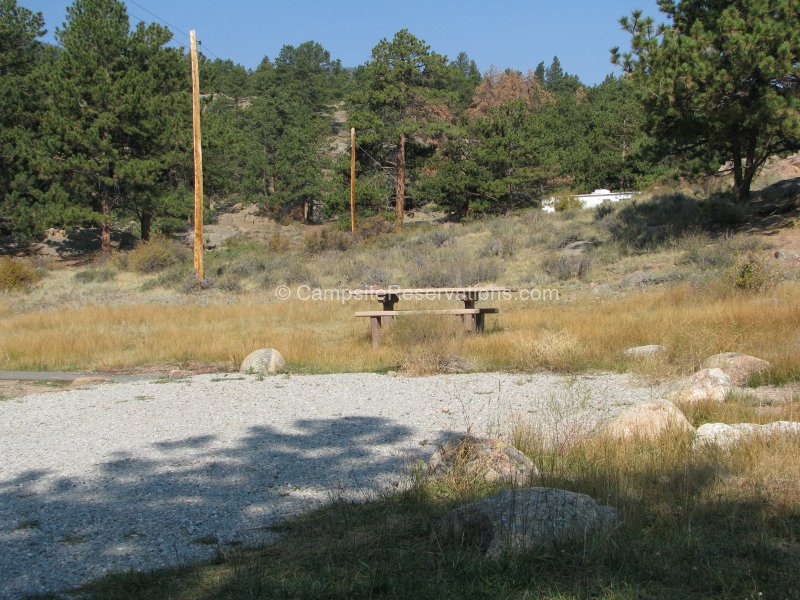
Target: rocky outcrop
[{"x": 523, "y": 518}]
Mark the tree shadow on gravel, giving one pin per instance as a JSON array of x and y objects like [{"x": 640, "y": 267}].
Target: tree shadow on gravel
[{"x": 190, "y": 498}]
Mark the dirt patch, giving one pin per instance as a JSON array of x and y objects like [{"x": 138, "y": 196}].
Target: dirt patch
[{"x": 16, "y": 389}]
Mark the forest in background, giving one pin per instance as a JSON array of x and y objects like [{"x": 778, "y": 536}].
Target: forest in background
[{"x": 97, "y": 130}]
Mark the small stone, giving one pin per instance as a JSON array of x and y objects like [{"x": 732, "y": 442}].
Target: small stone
[
  {"x": 579, "y": 246},
  {"x": 82, "y": 381},
  {"x": 179, "y": 374},
  {"x": 643, "y": 351},
  {"x": 262, "y": 362}
]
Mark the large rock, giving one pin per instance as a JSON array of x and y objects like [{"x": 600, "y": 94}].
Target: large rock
[
  {"x": 644, "y": 351},
  {"x": 726, "y": 435},
  {"x": 647, "y": 420},
  {"x": 484, "y": 458},
  {"x": 262, "y": 362},
  {"x": 705, "y": 385},
  {"x": 522, "y": 518},
  {"x": 740, "y": 367}
]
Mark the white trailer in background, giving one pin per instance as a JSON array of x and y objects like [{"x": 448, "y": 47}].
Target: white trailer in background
[{"x": 596, "y": 198}]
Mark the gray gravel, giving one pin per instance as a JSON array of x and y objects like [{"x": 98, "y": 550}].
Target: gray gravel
[{"x": 140, "y": 474}]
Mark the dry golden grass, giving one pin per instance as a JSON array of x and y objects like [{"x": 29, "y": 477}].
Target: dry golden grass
[{"x": 584, "y": 333}]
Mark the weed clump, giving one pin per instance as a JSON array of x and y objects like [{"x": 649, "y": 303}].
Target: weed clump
[
  {"x": 563, "y": 267},
  {"x": 16, "y": 275},
  {"x": 750, "y": 273},
  {"x": 157, "y": 255}
]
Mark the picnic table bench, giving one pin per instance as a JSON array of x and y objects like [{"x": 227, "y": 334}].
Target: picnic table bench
[{"x": 473, "y": 317}]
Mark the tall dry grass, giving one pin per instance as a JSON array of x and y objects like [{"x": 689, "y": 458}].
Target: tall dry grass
[{"x": 585, "y": 333}]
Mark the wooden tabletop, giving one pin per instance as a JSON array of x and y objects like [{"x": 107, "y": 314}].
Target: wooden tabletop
[{"x": 422, "y": 291}]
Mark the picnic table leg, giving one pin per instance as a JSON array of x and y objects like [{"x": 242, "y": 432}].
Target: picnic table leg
[
  {"x": 375, "y": 330},
  {"x": 479, "y": 322},
  {"x": 470, "y": 321},
  {"x": 388, "y": 304}
]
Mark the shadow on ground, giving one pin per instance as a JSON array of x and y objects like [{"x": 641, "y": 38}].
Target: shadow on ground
[{"x": 190, "y": 498}]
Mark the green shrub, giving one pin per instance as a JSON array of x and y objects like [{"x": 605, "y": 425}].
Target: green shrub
[
  {"x": 156, "y": 255},
  {"x": 567, "y": 203},
  {"x": 16, "y": 275},
  {"x": 750, "y": 273}
]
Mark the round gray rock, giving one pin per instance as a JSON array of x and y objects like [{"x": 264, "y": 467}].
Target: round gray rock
[{"x": 262, "y": 362}]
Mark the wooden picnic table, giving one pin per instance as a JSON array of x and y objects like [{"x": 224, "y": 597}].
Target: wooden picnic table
[{"x": 472, "y": 316}]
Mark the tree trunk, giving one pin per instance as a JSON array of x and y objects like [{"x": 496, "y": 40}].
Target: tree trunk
[
  {"x": 145, "y": 221},
  {"x": 105, "y": 228},
  {"x": 400, "y": 197},
  {"x": 742, "y": 178}
]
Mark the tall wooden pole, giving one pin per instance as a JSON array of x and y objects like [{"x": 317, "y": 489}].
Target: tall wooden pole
[
  {"x": 198, "y": 161},
  {"x": 353, "y": 180},
  {"x": 400, "y": 197}
]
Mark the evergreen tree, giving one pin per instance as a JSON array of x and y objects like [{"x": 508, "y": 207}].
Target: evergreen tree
[
  {"x": 20, "y": 104},
  {"x": 720, "y": 82},
  {"x": 117, "y": 104},
  {"x": 402, "y": 92}
]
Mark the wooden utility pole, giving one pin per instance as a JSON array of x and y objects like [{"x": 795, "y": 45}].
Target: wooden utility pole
[
  {"x": 198, "y": 161},
  {"x": 353, "y": 180},
  {"x": 400, "y": 198}
]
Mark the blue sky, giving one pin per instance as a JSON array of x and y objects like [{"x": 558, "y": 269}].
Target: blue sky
[{"x": 507, "y": 33}]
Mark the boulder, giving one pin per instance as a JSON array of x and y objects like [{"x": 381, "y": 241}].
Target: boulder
[
  {"x": 648, "y": 419},
  {"x": 706, "y": 384},
  {"x": 82, "y": 381},
  {"x": 485, "y": 458},
  {"x": 726, "y": 435},
  {"x": 740, "y": 367},
  {"x": 523, "y": 518},
  {"x": 262, "y": 362},
  {"x": 644, "y": 351}
]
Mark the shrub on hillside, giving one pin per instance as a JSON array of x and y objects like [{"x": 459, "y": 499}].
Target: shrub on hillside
[
  {"x": 567, "y": 266},
  {"x": 326, "y": 238},
  {"x": 95, "y": 275},
  {"x": 750, "y": 273},
  {"x": 16, "y": 275},
  {"x": 156, "y": 255}
]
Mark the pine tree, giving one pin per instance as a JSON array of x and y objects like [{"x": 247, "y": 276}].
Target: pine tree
[
  {"x": 721, "y": 82},
  {"x": 403, "y": 92},
  {"x": 117, "y": 99},
  {"x": 20, "y": 104}
]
